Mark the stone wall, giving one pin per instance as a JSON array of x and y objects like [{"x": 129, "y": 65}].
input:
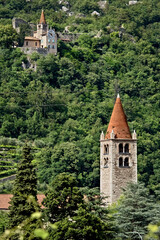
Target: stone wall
[
  {"x": 106, "y": 171},
  {"x": 43, "y": 51},
  {"x": 16, "y": 22},
  {"x": 123, "y": 175},
  {"x": 68, "y": 36},
  {"x": 113, "y": 178}
]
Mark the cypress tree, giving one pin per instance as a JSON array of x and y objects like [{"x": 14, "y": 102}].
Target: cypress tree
[{"x": 22, "y": 205}]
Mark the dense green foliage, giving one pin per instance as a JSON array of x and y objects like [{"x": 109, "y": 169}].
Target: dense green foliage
[
  {"x": 72, "y": 214},
  {"x": 3, "y": 221},
  {"x": 27, "y": 229},
  {"x": 24, "y": 192},
  {"x": 66, "y": 103},
  {"x": 83, "y": 226},
  {"x": 67, "y": 215},
  {"x": 62, "y": 198},
  {"x": 7, "y": 36},
  {"x": 154, "y": 232},
  {"x": 137, "y": 209}
]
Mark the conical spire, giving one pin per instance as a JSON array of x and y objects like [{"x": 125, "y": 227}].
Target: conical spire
[
  {"x": 118, "y": 122},
  {"x": 42, "y": 18}
]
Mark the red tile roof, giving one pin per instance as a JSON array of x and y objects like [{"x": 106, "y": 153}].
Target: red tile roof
[
  {"x": 118, "y": 122},
  {"x": 42, "y": 18},
  {"x": 5, "y": 199},
  {"x": 32, "y": 38}
]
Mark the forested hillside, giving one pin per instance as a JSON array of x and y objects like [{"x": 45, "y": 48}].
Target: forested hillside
[{"x": 64, "y": 105}]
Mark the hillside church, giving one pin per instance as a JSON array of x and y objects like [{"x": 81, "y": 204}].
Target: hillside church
[
  {"x": 118, "y": 155},
  {"x": 43, "y": 40}
]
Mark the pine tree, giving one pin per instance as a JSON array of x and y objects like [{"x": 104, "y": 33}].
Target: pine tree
[
  {"x": 22, "y": 204},
  {"x": 136, "y": 211}
]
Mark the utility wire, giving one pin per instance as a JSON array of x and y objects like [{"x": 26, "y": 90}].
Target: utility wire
[{"x": 58, "y": 91}]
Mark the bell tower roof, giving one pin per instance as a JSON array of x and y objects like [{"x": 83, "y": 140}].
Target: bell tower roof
[
  {"x": 118, "y": 122},
  {"x": 42, "y": 18}
]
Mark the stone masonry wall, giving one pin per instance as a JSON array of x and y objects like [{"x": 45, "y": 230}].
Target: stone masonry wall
[
  {"x": 106, "y": 172},
  {"x": 43, "y": 51},
  {"x": 114, "y": 178},
  {"x": 123, "y": 175}
]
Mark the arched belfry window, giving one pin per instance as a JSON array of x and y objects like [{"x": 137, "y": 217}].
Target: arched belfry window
[
  {"x": 126, "y": 162},
  {"x": 120, "y": 148},
  {"x": 126, "y": 148},
  {"x": 120, "y": 162},
  {"x": 106, "y": 149}
]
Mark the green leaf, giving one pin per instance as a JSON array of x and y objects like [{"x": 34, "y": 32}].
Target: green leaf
[
  {"x": 41, "y": 233},
  {"x": 36, "y": 215}
]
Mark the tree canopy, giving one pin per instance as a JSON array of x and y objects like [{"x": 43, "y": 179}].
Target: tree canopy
[
  {"x": 136, "y": 210},
  {"x": 24, "y": 200}
]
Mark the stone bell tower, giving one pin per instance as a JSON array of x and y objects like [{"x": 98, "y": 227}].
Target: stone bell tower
[
  {"x": 118, "y": 155},
  {"x": 42, "y": 26}
]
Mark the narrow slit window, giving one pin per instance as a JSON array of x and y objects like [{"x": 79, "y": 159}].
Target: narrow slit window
[
  {"x": 106, "y": 149},
  {"x": 120, "y": 162}
]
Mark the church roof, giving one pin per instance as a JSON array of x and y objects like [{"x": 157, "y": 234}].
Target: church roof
[
  {"x": 42, "y": 18},
  {"x": 6, "y": 198},
  {"x": 118, "y": 122},
  {"x": 32, "y": 38}
]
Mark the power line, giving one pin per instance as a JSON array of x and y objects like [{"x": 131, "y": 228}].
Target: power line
[
  {"x": 34, "y": 105},
  {"x": 68, "y": 91}
]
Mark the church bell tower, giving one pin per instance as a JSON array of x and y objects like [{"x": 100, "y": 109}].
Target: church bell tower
[
  {"x": 118, "y": 155},
  {"x": 42, "y": 26}
]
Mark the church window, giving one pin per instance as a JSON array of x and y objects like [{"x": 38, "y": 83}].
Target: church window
[
  {"x": 106, "y": 149},
  {"x": 126, "y": 148},
  {"x": 53, "y": 40},
  {"x": 49, "y": 40},
  {"x": 26, "y": 43},
  {"x": 53, "y": 46},
  {"x": 105, "y": 162},
  {"x": 126, "y": 162},
  {"x": 36, "y": 44},
  {"x": 120, "y": 148},
  {"x": 48, "y": 46},
  {"x": 120, "y": 162}
]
